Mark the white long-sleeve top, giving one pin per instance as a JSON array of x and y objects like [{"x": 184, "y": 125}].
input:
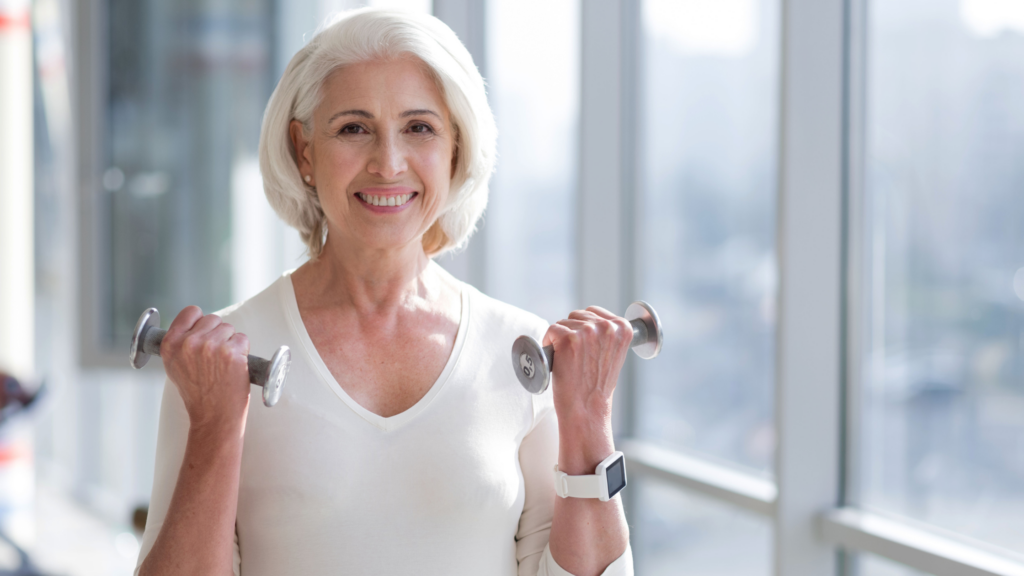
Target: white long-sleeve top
[{"x": 459, "y": 484}]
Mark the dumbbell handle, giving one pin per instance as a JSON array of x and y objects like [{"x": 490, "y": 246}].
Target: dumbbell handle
[
  {"x": 640, "y": 337},
  {"x": 259, "y": 368}
]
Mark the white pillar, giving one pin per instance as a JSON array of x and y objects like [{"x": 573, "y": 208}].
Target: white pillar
[
  {"x": 17, "y": 270},
  {"x": 17, "y": 334},
  {"x": 809, "y": 355}
]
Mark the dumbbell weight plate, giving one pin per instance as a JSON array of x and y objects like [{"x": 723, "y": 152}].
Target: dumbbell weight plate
[
  {"x": 534, "y": 371},
  {"x": 149, "y": 318},
  {"x": 643, "y": 311},
  {"x": 279, "y": 364}
]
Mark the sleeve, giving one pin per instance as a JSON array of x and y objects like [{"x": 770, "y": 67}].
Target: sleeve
[
  {"x": 622, "y": 566},
  {"x": 538, "y": 455},
  {"x": 172, "y": 433}
]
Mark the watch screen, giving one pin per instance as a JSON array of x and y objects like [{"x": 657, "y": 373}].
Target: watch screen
[{"x": 616, "y": 474}]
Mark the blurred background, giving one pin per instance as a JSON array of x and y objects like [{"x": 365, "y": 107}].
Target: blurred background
[{"x": 129, "y": 179}]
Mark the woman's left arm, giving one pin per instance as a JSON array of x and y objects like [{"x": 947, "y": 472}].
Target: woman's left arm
[{"x": 587, "y": 535}]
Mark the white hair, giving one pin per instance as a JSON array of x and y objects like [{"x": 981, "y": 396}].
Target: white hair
[{"x": 365, "y": 35}]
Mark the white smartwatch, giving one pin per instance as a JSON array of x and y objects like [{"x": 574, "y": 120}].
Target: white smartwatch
[{"x": 608, "y": 480}]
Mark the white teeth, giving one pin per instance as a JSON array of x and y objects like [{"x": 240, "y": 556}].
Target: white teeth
[{"x": 386, "y": 200}]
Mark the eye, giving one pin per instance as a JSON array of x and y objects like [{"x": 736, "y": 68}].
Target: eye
[
  {"x": 421, "y": 128},
  {"x": 352, "y": 129}
]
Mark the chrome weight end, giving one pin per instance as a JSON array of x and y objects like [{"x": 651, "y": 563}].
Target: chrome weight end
[
  {"x": 149, "y": 319},
  {"x": 531, "y": 364},
  {"x": 655, "y": 337},
  {"x": 279, "y": 364}
]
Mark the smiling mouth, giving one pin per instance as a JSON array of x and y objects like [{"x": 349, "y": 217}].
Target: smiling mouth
[{"x": 399, "y": 200}]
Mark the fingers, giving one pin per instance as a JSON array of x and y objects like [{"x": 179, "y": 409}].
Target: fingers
[
  {"x": 583, "y": 315},
  {"x": 623, "y": 328},
  {"x": 606, "y": 322},
  {"x": 592, "y": 322},
  {"x": 191, "y": 321},
  {"x": 185, "y": 320},
  {"x": 239, "y": 343},
  {"x": 222, "y": 332},
  {"x": 598, "y": 311},
  {"x": 207, "y": 324},
  {"x": 557, "y": 331}
]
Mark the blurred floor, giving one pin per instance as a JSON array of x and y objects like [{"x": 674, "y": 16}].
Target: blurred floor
[{"x": 71, "y": 541}]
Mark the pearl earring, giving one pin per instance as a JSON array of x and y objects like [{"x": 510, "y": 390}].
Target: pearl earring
[{"x": 308, "y": 178}]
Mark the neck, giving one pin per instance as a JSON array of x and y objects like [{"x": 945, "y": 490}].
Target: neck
[{"x": 369, "y": 279}]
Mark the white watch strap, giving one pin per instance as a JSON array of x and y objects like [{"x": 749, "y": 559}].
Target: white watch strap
[{"x": 588, "y": 486}]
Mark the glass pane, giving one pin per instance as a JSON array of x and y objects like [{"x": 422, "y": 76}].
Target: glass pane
[
  {"x": 678, "y": 533},
  {"x": 533, "y": 80},
  {"x": 708, "y": 152},
  {"x": 943, "y": 392},
  {"x": 187, "y": 84},
  {"x": 871, "y": 565}
]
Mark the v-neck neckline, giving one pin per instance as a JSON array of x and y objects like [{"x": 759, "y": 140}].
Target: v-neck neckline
[{"x": 388, "y": 423}]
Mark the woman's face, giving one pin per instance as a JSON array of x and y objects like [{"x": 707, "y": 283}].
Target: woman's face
[{"x": 380, "y": 154}]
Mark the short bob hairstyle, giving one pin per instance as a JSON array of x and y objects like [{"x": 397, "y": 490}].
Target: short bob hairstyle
[{"x": 371, "y": 34}]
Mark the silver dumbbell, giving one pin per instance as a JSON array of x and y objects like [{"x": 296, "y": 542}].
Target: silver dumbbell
[
  {"x": 533, "y": 364},
  {"x": 269, "y": 374}
]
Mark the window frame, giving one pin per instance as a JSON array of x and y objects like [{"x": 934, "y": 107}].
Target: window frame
[{"x": 90, "y": 76}]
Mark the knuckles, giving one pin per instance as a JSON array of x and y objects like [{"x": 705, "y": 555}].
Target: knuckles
[{"x": 595, "y": 330}]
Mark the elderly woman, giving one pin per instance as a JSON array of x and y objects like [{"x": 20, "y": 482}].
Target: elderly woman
[{"x": 403, "y": 443}]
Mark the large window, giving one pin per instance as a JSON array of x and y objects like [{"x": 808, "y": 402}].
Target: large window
[
  {"x": 942, "y": 404},
  {"x": 678, "y": 532},
  {"x": 707, "y": 185},
  {"x": 533, "y": 84},
  {"x": 187, "y": 86}
]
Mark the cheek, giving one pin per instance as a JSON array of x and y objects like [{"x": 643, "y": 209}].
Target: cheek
[
  {"x": 438, "y": 164},
  {"x": 341, "y": 161}
]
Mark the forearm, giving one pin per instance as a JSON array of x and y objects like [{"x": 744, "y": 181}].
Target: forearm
[
  {"x": 586, "y": 534},
  {"x": 197, "y": 536}
]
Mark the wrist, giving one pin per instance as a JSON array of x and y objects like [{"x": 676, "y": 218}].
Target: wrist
[
  {"x": 218, "y": 432},
  {"x": 581, "y": 449}
]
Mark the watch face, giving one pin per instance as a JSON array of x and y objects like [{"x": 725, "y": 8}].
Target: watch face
[{"x": 616, "y": 474}]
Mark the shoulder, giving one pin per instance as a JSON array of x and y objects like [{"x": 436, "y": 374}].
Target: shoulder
[
  {"x": 500, "y": 320},
  {"x": 264, "y": 310},
  {"x": 494, "y": 326}
]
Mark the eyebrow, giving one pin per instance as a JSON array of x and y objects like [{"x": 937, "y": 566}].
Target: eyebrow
[
  {"x": 419, "y": 112},
  {"x": 367, "y": 115}
]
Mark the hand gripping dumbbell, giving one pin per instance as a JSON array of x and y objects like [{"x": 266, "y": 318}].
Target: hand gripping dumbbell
[
  {"x": 269, "y": 374},
  {"x": 533, "y": 364}
]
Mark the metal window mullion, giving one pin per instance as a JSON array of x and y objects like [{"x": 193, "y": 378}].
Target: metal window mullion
[
  {"x": 606, "y": 271},
  {"x": 468, "y": 19},
  {"x": 700, "y": 475},
  {"x": 809, "y": 244},
  {"x": 604, "y": 243},
  {"x": 918, "y": 546},
  {"x": 854, "y": 264},
  {"x": 600, "y": 223},
  {"x": 89, "y": 72}
]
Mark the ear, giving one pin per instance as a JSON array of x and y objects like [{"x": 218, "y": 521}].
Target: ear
[{"x": 303, "y": 149}]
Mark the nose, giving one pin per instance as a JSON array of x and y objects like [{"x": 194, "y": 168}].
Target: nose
[{"x": 388, "y": 160}]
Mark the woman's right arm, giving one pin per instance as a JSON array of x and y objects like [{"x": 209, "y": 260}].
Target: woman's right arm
[{"x": 206, "y": 361}]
